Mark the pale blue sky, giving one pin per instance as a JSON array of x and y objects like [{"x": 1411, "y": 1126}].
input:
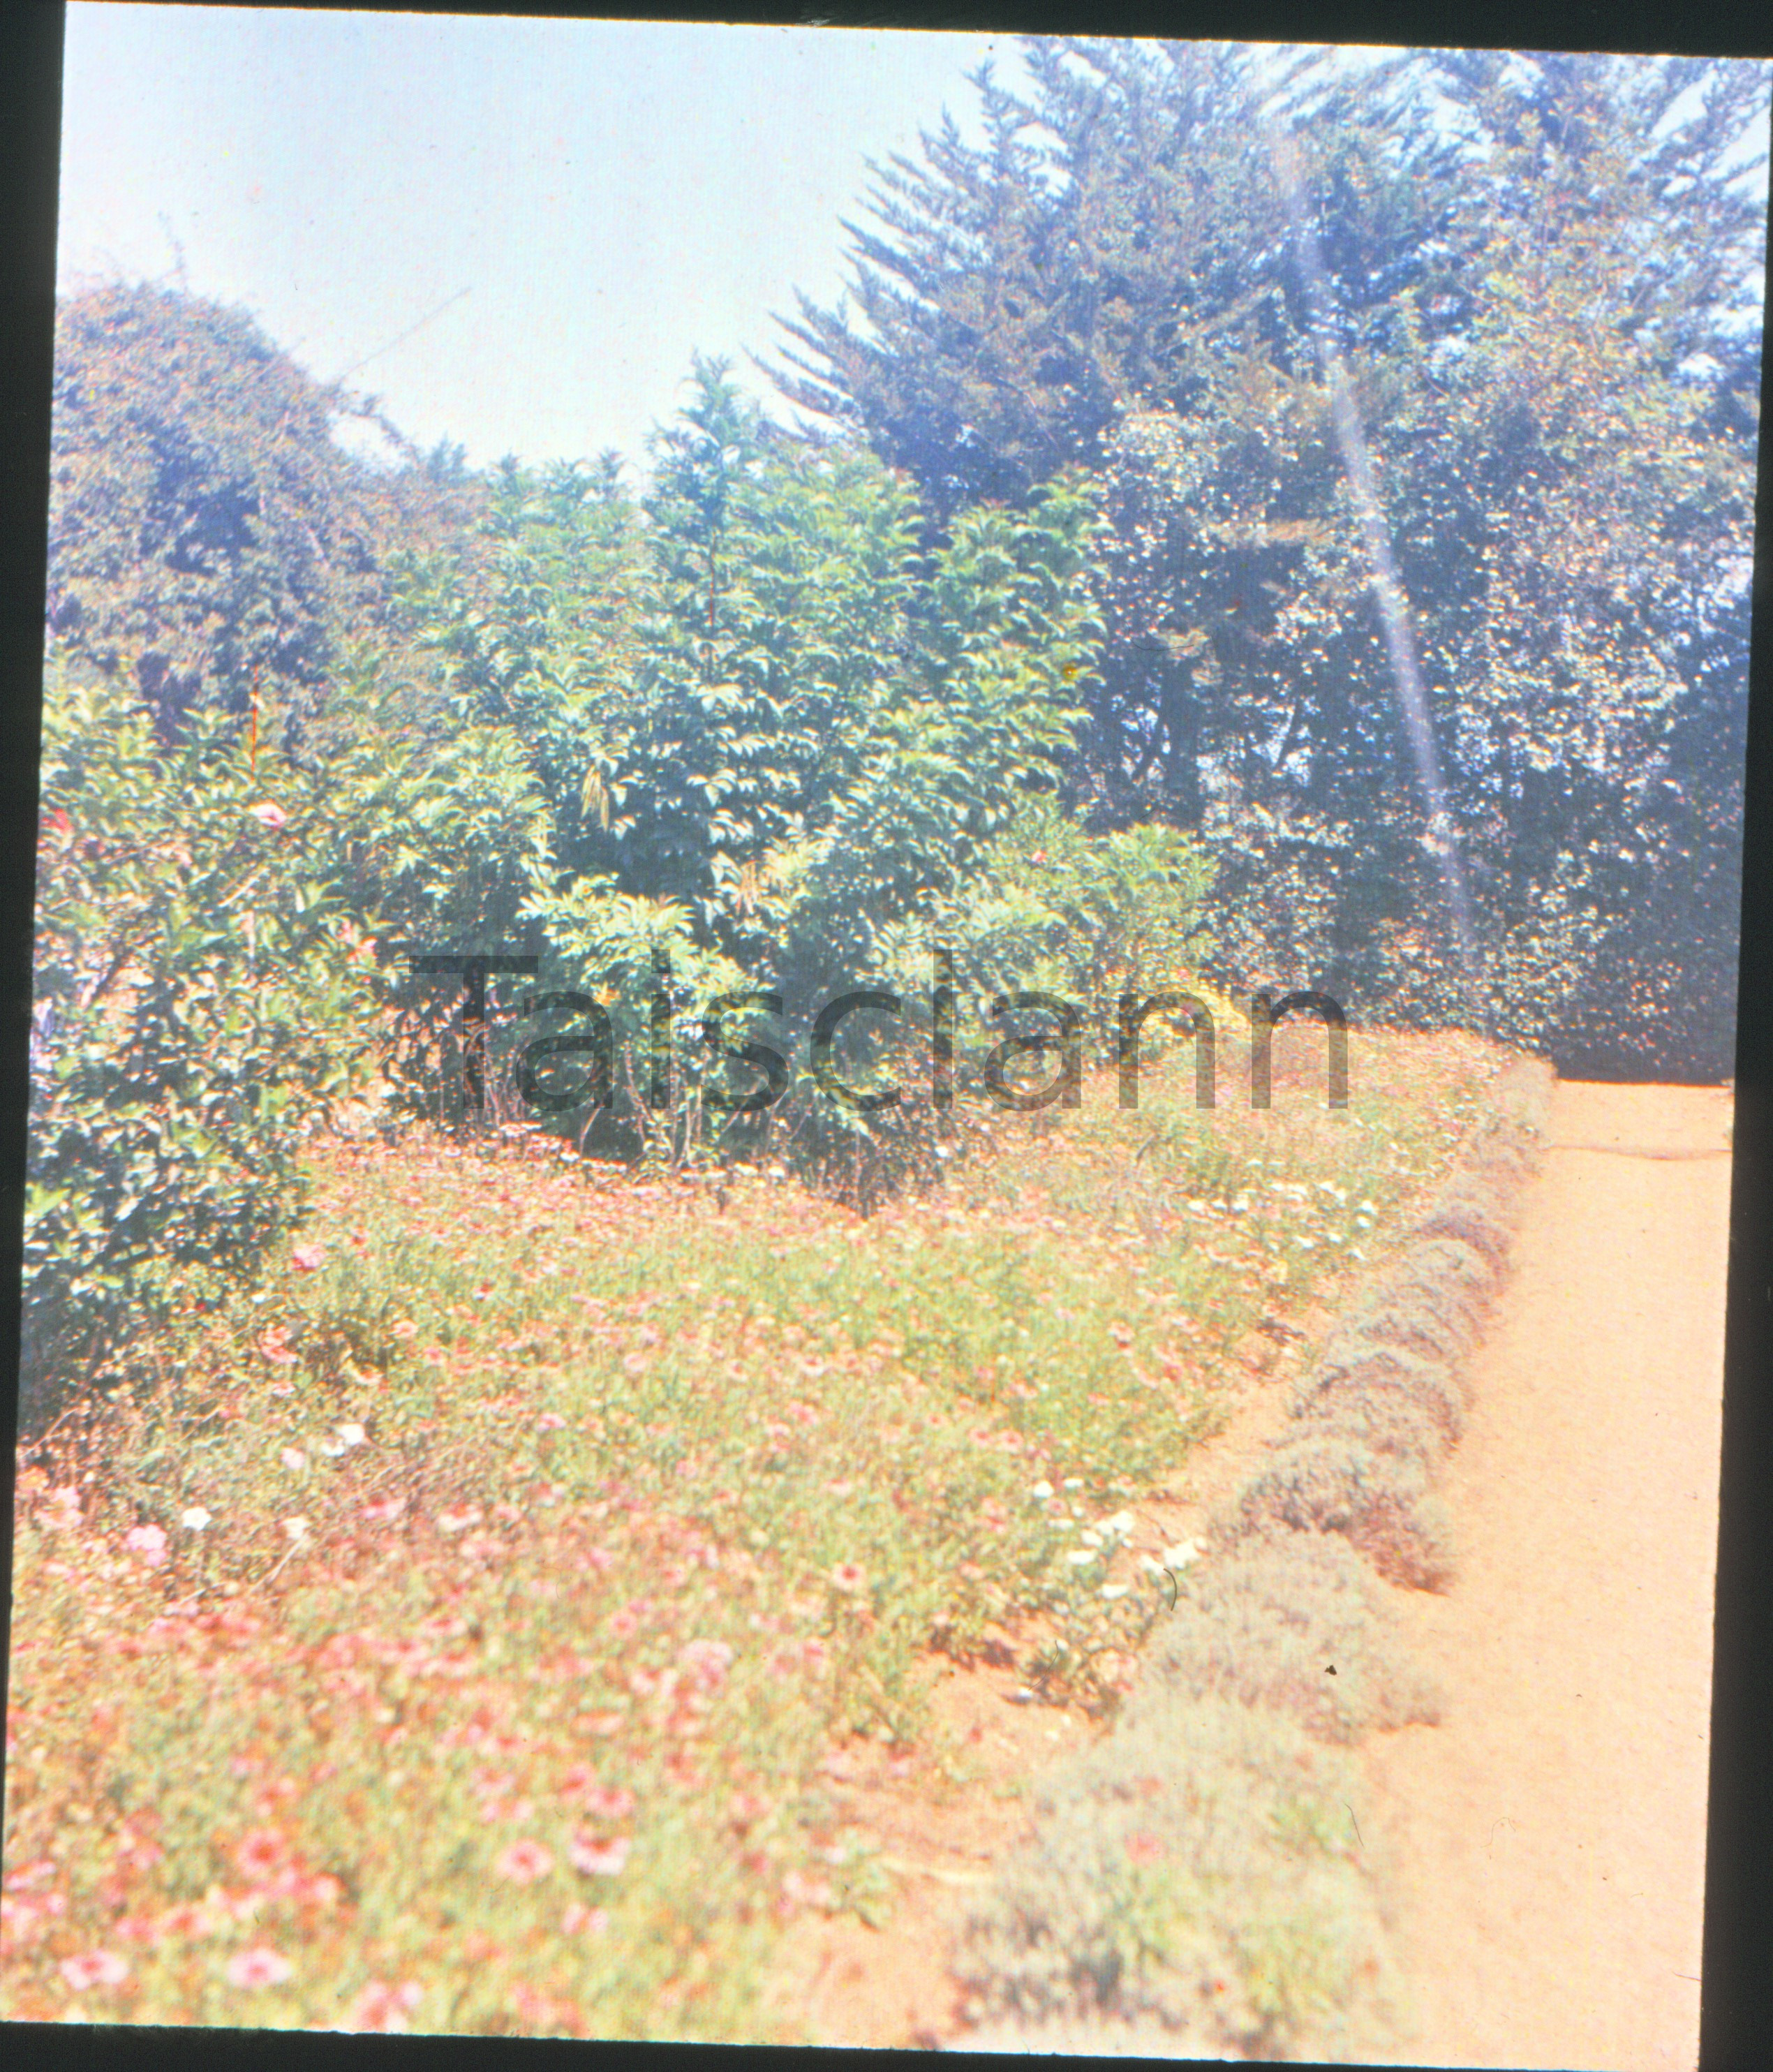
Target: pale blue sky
[{"x": 613, "y": 195}]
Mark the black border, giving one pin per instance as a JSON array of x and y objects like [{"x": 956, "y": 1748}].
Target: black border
[{"x": 1736, "y": 2001}]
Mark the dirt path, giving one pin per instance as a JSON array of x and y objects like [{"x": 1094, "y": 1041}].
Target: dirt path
[{"x": 1549, "y": 1834}]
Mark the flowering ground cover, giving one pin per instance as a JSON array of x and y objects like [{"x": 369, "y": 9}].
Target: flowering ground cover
[{"x": 450, "y": 1637}]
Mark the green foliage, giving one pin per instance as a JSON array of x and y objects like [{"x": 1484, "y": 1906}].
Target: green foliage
[
  {"x": 818, "y": 735},
  {"x": 209, "y": 537},
  {"x": 201, "y": 1002},
  {"x": 1048, "y": 907},
  {"x": 1548, "y": 306}
]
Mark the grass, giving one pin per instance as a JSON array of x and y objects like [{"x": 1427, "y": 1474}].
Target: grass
[{"x": 450, "y": 1637}]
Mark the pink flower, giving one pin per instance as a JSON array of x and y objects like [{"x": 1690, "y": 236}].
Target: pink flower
[
  {"x": 149, "y": 1541},
  {"x": 459, "y": 1521},
  {"x": 405, "y": 1328},
  {"x": 97, "y": 1967},
  {"x": 383, "y": 2008},
  {"x": 597, "y": 1857},
  {"x": 846, "y": 1576},
  {"x": 268, "y": 815},
  {"x": 258, "y": 1967},
  {"x": 387, "y": 1508},
  {"x": 610, "y": 1802},
  {"x": 580, "y": 1920},
  {"x": 1143, "y": 1848},
  {"x": 260, "y": 1852},
  {"x": 62, "y": 1513},
  {"x": 550, "y": 1421},
  {"x": 523, "y": 1862},
  {"x": 293, "y": 1459},
  {"x": 305, "y": 1258}
]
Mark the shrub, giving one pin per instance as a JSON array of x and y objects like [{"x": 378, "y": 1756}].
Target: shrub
[
  {"x": 1295, "y": 1625},
  {"x": 1380, "y": 1503},
  {"x": 202, "y": 1003},
  {"x": 1382, "y": 1416},
  {"x": 1472, "y": 1208},
  {"x": 1366, "y": 1371},
  {"x": 1195, "y": 1874}
]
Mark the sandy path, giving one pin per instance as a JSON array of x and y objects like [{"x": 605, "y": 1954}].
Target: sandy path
[{"x": 1549, "y": 1834}]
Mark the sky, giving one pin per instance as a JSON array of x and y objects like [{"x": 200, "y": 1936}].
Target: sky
[
  {"x": 515, "y": 233},
  {"x": 612, "y": 196}
]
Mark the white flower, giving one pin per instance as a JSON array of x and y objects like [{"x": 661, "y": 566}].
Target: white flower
[
  {"x": 332, "y": 1448},
  {"x": 1041, "y": 1491},
  {"x": 1119, "y": 1525},
  {"x": 1081, "y": 1557},
  {"x": 1091, "y": 1535},
  {"x": 194, "y": 1519},
  {"x": 1115, "y": 1589},
  {"x": 1073, "y": 1482},
  {"x": 1180, "y": 1556},
  {"x": 297, "y": 1530},
  {"x": 353, "y": 1435}
]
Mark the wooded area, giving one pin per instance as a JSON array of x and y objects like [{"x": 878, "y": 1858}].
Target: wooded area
[{"x": 1049, "y": 634}]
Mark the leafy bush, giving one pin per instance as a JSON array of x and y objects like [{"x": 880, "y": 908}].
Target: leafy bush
[{"x": 202, "y": 1001}]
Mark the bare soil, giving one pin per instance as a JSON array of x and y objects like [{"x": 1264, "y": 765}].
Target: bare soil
[{"x": 1549, "y": 1834}]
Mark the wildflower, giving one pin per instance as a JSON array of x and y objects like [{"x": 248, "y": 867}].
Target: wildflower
[
  {"x": 384, "y": 2008},
  {"x": 258, "y": 1967},
  {"x": 1041, "y": 1491},
  {"x": 297, "y": 1530},
  {"x": 97, "y": 1967},
  {"x": 709, "y": 1660},
  {"x": 195, "y": 1519},
  {"x": 612, "y": 1802},
  {"x": 581, "y": 1920},
  {"x": 1143, "y": 1848},
  {"x": 847, "y": 1576},
  {"x": 404, "y": 1327},
  {"x": 459, "y": 1521},
  {"x": 268, "y": 815},
  {"x": 598, "y": 1857},
  {"x": 307, "y": 1258},
  {"x": 293, "y": 1459},
  {"x": 550, "y": 1421},
  {"x": 149, "y": 1541},
  {"x": 523, "y": 1862},
  {"x": 62, "y": 1513},
  {"x": 260, "y": 1852},
  {"x": 746, "y": 1810},
  {"x": 1115, "y": 1589},
  {"x": 385, "y": 1509},
  {"x": 1081, "y": 1557},
  {"x": 1180, "y": 1556}
]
